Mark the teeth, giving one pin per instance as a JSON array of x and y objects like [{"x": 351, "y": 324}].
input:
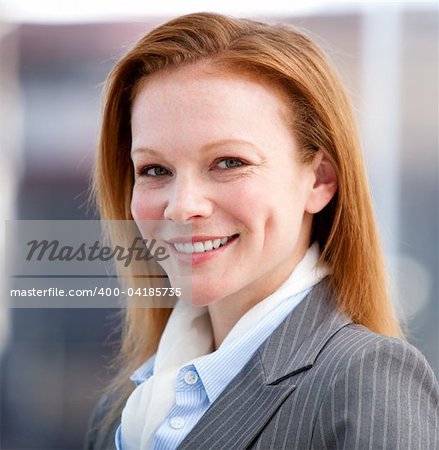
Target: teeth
[
  {"x": 200, "y": 247},
  {"x": 216, "y": 243}
]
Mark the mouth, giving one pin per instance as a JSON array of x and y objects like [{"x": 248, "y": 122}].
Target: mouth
[{"x": 201, "y": 246}]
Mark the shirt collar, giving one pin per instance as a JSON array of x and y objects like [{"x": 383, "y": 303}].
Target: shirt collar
[
  {"x": 218, "y": 369},
  {"x": 144, "y": 372}
]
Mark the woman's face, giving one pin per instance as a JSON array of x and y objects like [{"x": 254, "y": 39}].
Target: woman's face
[{"x": 213, "y": 150}]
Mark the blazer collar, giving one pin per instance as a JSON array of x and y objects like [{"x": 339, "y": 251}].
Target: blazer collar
[
  {"x": 296, "y": 343},
  {"x": 292, "y": 348}
]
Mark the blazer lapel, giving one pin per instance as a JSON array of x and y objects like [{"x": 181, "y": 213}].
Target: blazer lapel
[
  {"x": 256, "y": 393},
  {"x": 297, "y": 342}
]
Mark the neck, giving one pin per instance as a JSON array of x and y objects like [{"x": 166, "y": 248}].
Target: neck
[{"x": 226, "y": 312}]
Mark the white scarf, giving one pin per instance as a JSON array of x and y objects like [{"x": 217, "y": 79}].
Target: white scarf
[{"x": 149, "y": 404}]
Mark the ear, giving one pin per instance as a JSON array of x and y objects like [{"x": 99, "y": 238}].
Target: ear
[{"x": 325, "y": 183}]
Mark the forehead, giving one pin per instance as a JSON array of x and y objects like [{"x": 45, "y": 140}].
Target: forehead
[{"x": 203, "y": 79}]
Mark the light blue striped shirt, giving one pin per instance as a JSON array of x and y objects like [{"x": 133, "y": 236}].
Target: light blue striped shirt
[{"x": 199, "y": 384}]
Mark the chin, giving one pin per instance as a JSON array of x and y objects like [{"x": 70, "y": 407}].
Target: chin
[
  {"x": 203, "y": 297},
  {"x": 201, "y": 300}
]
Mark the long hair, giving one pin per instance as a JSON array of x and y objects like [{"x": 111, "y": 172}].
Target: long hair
[{"x": 321, "y": 118}]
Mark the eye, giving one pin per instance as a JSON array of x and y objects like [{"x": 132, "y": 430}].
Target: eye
[
  {"x": 230, "y": 163},
  {"x": 153, "y": 171}
]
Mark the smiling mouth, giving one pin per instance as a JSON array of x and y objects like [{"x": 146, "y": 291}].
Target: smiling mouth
[{"x": 203, "y": 246}]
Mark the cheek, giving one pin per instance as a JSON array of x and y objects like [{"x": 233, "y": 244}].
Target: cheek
[
  {"x": 285, "y": 212},
  {"x": 145, "y": 206},
  {"x": 243, "y": 201}
]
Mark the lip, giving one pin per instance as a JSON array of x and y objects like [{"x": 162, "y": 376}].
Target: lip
[
  {"x": 193, "y": 239},
  {"x": 198, "y": 258}
]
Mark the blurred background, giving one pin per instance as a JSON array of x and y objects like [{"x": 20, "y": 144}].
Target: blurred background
[{"x": 54, "y": 58}]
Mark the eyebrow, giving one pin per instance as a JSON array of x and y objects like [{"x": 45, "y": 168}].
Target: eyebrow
[
  {"x": 207, "y": 147},
  {"x": 145, "y": 150}
]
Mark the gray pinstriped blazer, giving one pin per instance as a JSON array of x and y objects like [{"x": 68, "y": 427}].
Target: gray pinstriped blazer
[{"x": 320, "y": 382}]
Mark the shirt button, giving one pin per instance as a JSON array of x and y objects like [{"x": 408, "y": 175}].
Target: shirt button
[
  {"x": 190, "y": 377},
  {"x": 177, "y": 422}
]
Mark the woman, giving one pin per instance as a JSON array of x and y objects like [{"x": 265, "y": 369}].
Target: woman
[{"x": 243, "y": 131}]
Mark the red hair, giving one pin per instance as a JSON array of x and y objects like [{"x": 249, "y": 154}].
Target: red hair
[{"x": 321, "y": 118}]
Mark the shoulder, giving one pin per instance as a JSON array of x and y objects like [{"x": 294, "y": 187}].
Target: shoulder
[
  {"x": 376, "y": 363},
  {"x": 383, "y": 394},
  {"x": 100, "y": 434},
  {"x": 360, "y": 348}
]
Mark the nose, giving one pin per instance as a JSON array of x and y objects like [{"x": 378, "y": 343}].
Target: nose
[{"x": 188, "y": 200}]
